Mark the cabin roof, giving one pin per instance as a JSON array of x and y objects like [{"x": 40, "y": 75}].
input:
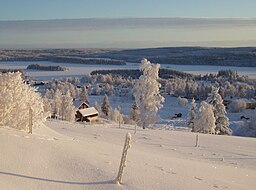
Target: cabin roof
[
  {"x": 78, "y": 103},
  {"x": 88, "y": 111}
]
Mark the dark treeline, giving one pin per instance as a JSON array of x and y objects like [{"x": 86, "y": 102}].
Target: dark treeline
[
  {"x": 136, "y": 73},
  {"x": 46, "y": 68},
  {"x": 11, "y": 71}
]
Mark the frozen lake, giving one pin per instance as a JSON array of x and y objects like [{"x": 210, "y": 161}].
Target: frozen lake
[{"x": 82, "y": 69}]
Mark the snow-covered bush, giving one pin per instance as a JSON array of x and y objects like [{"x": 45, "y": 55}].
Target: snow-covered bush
[
  {"x": 116, "y": 116},
  {"x": 205, "y": 120},
  {"x": 237, "y": 106},
  {"x": 128, "y": 120},
  {"x": 248, "y": 129},
  {"x": 147, "y": 94},
  {"x": 182, "y": 101},
  {"x": 16, "y": 99}
]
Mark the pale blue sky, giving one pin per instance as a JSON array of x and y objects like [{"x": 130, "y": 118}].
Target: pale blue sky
[
  {"x": 56, "y": 9},
  {"x": 164, "y": 23}
]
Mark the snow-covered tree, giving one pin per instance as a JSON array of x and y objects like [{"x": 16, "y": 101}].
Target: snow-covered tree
[
  {"x": 205, "y": 120},
  {"x": 134, "y": 114},
  {"x": 47, "y": 106},
  {"x": 16, "y": 100},
  {"x": 68, "y": 109},
  {"x": 96, "y": 90},
  {"x": 105, "y": 106},
  {"x": 57, "y": 101},
  {"x": 192, "y": 115},
  {"x": 97, "y": 107},
  {"x": 84, "y": 95},
  {"x": 146, "y": 93},
  {"x": 219, "y": 110}
]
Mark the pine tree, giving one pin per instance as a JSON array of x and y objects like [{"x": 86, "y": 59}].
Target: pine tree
[
  {"x": 105, "y": 107},
  {"x": 192, "y": 115},
  {"x": 219, "y": 110},
  {"x": 84, "y": 95},
  {"x": 146, "y": 93},
  {"x": 205, "y": 121},
  {"x": 134, "y": 114}
]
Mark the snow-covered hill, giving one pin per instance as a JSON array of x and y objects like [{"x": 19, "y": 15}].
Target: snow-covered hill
[{"x": 61, "y": 155}]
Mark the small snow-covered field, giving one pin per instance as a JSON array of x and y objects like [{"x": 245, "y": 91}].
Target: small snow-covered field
[{"x": 61, "y": 155}]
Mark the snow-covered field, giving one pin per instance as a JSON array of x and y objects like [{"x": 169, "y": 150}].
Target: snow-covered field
[
  {"x": 80, "y": 69},
  {"x": 62, "y": 155}
]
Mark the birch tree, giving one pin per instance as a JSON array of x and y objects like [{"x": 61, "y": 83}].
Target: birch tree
[{"x": 146, "y": 93}]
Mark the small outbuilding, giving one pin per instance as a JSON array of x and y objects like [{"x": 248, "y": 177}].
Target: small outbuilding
[
  {"x": 83, "y": 105},
  {"x": 87, "y": 114}
]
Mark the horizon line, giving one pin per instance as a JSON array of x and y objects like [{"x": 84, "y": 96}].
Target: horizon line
[{"x": 116, "y": 18}]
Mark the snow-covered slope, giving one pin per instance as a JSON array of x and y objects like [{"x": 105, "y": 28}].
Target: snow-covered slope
[{"x": 61, "y": 155}]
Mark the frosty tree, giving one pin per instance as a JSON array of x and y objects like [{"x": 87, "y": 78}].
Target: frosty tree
[
  {"x": 134, "y": 114},
  {"x": 57, "y": 100},
  {"x": 205, "y": 121},
  {"x": 68, "y": 109},
  {"x": 105, "y": 107},
  {"x": 219, "y": 110},
  {"x": 84, "y": 95},
  {"x": 146, "y": 93},
  {"x": 97, "y": 107},
  {"x": 115, "y": 115},
  {"x": 192, "y": 115},
  {"x": 17, "y": 98}
]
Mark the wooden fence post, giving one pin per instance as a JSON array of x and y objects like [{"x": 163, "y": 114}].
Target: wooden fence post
[
  {"x": 127, "y": 145},
  {"x": 30, "y": 124},
  {"x": 197, "y": 140}
]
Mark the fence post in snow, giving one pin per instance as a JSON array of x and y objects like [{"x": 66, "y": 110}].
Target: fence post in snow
[
  {"x": 30, "y": 121},
  {"x": 127, "y": 145},
  {"x": 119, "y": 116},
  {"x": 197, "y": 140}
]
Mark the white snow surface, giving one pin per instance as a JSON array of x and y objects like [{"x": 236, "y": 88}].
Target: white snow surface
[
  {"x": 62, "y": 155},
  {"x": 82, "y": 69}
]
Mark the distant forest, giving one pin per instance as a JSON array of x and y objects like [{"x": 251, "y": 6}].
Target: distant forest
[
  {"x": 239, "y": 57},
  {"x": 46, "y": 68}
]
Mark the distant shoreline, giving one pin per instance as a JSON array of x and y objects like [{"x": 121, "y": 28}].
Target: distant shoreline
[{"x": 236, "y": 57}]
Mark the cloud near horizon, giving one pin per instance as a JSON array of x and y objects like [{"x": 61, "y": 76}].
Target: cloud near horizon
[{"x": 128, "y": 32}]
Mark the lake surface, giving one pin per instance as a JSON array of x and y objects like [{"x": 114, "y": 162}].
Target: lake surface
[{"x": 82, "y": 69}]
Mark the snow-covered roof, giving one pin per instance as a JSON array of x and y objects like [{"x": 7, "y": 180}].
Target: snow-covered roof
[
  {"x": 78, "y": 103},
  {"x": 88, "y": 111}
]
